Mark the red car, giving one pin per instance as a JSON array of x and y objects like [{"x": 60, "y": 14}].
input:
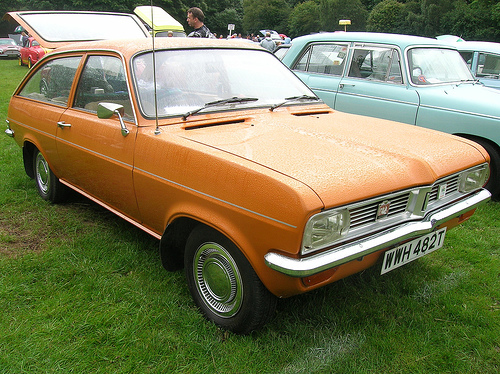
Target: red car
[{"x": 31, "y": 53}]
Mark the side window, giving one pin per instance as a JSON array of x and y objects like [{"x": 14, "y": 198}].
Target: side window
[
  {"x": 103, "y": 80},
  {"x": 467, "y": 56},
  {"x": 52, "y": 81},
  {"x": 376, "y": 63},
  {"x": 489, "y": 65},
  {"x": 324, "y": 59},
  {"x": 302, "y": 63}
]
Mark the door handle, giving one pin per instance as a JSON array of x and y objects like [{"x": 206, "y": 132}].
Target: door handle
[
  {"x": 342, "y": 85},
  {"x": 63, "y": 124}
]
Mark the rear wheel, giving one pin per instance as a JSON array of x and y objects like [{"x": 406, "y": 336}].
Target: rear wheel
[
  {"x": 20, "y": 61},
  {"x": 47, "y": 184},
  {"x": 223, "y": 284}
]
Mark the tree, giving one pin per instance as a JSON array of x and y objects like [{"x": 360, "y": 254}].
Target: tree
[
  {"x": 479, "y": 20},
  {"x": 304, "y": 19},
  {"x": 332, "y": 11},
  {"x": 387, "y": 16},
  {"x": 265, "y": 14}
]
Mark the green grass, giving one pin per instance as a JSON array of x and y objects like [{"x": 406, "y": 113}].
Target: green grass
[{"x": 82, "y": 291}]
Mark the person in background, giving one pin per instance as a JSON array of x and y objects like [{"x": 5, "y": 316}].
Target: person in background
[
  {"x": 24, "y": 38},
  {"x": 195, "y": 19},
  {"x": 268, "y": 43}
]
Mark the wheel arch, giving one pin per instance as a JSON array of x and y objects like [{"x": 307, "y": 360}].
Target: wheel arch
[
  {"x": 480, "y": 139},
  {"x": 174, "y": 238},
  {"x": 173, "y": 242},
  {"x": 28, "y": 151},
  {"x": 490, "y": 146}
]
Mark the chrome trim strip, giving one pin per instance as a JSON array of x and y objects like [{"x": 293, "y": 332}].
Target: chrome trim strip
[
  {"x": 376, "y": 98},
  {"x": 215, "y": 198},
  {"x": 164, "y": 179},
  {"x": 460, "y": 111},
  {"x": 102, "y": 155},
  {"x": 337, "y": 256}
]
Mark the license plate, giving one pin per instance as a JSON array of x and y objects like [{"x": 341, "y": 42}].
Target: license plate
[{"x": 412, "y": 250}]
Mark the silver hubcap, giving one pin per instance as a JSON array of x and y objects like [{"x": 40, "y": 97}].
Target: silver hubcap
[
  {"x": 42, "y": 173},
  {"x": 218, "y": 279}
]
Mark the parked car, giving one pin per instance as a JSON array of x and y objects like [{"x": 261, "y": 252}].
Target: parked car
[
  {"x": 31, "y": 53},
  {"x": 160, "y": 21},
  {"x": 251, "y": 183},
  {"x": 73, "y": 26},
  {"x": 281, "y": 50},
  {"x": 483, "y": 58},
  {"x": 409, "y": 79},
  {"x": 274, "y": 35},
  {"x": 9, "y": 48}
]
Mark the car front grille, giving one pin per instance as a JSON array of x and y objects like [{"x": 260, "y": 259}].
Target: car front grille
[
  {"x": 367, "y": 214},
  {"x": 445, "y": 186}
]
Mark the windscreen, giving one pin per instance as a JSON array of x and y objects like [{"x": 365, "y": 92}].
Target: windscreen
[
  {"x": 189, "y": 79},
  {"x": 437, "y": 66},
  {"x": 66, "y": 27}
]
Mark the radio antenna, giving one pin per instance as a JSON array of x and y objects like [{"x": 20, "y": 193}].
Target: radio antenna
[{"x": 157, "y": 129}]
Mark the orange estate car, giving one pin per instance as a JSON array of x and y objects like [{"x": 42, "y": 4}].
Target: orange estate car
[{"x": 248, "y": 180}]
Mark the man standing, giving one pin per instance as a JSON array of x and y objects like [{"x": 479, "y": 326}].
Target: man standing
[
  {"x": 268, "y": 43},
  {"x": 195, "y": 18}
]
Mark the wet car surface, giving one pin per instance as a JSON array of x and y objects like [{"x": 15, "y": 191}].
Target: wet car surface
[{"x": 250, "y": 183}]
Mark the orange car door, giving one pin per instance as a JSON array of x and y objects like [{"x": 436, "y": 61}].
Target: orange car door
[{"x": 95, "y": 156}]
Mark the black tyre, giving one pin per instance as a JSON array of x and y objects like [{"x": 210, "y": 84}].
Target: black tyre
[
  {"x": 223, "y": 284},
  {"x": 20, "y": 61},
  {"x": 30, "y": 63},
  {"x": 47, "y": 184},
  {"x": 493, "y": 184}
]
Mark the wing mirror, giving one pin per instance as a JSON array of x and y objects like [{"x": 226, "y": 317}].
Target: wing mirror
[{"x": 107, "y": 110}]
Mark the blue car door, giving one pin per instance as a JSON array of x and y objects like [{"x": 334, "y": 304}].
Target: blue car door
[
  {"x": 321, "y": 68},
  {"x": 374, "y": 85}
]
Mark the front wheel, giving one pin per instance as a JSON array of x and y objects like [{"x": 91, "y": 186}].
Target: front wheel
[
  {"x": 223, "y": 284},
  {"x": 47, "y": 184},
  {"x": 493, "y": 184}
]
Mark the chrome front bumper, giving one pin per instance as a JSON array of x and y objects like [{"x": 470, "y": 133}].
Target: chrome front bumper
[
  {"x": 314, "y": 264},
  {"x": 9, "y": 132}
]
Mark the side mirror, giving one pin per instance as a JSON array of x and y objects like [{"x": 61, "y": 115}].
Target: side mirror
[{"x": 107, "y": 110}]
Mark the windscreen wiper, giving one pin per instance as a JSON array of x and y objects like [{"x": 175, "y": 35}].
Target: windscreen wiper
[
  {"x": 294, "y": 98},
  {"x": 231, "y": 100},
  {"x": 473, "y": 81}
]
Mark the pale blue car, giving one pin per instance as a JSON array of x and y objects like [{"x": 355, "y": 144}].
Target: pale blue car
[
  {"x": 409, "y": 79},
  {"x": 483, "y": 58}
]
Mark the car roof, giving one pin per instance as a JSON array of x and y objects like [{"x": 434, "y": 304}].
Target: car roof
[
  {"x": 402, "y": 41},
  {"x": 478, "y": 46},
  {"x": 129, "y": 47}
]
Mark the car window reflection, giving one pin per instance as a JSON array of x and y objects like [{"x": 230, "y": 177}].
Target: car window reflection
[
  {"x": 52, "y": 82},
  {"x": 103, "y": 80}
]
